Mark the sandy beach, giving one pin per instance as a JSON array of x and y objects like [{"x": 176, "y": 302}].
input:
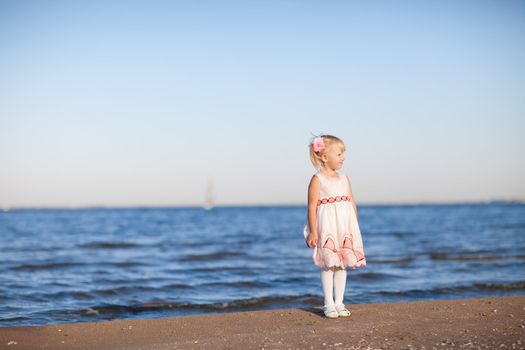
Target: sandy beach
[{"x": 485, "y": 323}]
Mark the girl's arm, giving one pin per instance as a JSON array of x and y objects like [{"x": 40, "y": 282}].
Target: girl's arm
[
  {"x": 351, "y": 195},
  {"x": 313, "y": 197}
]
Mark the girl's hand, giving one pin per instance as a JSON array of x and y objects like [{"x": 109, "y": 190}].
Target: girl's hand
[{"x": 311, "y": 240}]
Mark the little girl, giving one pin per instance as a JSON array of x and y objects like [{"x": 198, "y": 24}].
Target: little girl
[{"x": 333, "y": 230}]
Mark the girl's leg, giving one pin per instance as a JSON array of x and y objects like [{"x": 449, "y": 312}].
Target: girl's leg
[
  {"x": 327, "y": 281},
  {"x": 339, "y": 285}
]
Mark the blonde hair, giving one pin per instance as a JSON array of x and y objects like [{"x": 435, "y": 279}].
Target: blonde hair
[{"x": 329, "y": 141}]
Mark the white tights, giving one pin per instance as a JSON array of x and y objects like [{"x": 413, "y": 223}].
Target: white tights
[{"x": 333, "y": 282}]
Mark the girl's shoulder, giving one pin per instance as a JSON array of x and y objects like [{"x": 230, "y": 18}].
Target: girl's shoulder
[{"x": 317, "y": 176}]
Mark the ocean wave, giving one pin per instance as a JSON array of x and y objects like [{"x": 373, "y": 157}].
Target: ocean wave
[
  {"x": 375, "y": 276},
  {"x": 402, "y": 233},
  {"x": 475, "y": 287},
  {"x": 97, "y": 293},
  {"x": 239, "y": 304},
  {"x": 396, "y": 233},
  {"x": 502, "y": 286},
  {"x": 211, "y": 256},
  {"x": 238, "y": 284},
  {"x": 125, "y": 290},
  {"x": 46, "y": 266},
  {"x": 403, "y": 260},
  {"x": 214, "y": 269},
  {"x": 47, "y": 297},
  {"x": 466, "y": 256},
  {"x": 15, "y": 319},
  {"x": 128, "y": 264},
  {"x": 110, "y": 245}
]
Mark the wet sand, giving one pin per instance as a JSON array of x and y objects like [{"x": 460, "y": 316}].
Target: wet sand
[{"x": 485, "y": 323}]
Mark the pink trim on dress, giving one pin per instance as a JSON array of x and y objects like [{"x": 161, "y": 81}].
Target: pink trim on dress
[
  {"x": 343, "y": 257},
  {"x": 332, "y": 200}
]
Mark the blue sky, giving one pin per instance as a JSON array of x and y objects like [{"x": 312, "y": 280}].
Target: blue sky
[{"x": 142, "y": 103}]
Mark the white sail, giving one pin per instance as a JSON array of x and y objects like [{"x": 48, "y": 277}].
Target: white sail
[{"x": 209, "y": 202}]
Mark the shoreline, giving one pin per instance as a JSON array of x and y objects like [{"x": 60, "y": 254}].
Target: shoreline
[{"x": 474, "y": 323}]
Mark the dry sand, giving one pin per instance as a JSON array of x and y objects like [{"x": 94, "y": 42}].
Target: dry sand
[{"x": 486, "y": 323}]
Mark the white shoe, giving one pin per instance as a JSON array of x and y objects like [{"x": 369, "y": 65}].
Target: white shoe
[
  {"x": 342, "y": 311},
  {"x": 330, "y": 311}
]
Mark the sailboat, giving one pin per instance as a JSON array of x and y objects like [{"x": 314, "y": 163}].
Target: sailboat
[{"x": 209, "y": 202}]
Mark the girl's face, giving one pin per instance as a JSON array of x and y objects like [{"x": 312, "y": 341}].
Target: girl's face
[{"x": 334, "y": 157}]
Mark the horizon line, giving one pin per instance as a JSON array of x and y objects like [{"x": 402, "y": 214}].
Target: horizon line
[{"x": 253, "y": 205}]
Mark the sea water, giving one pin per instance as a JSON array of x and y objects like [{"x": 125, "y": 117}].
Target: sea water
[{"x": 79, "y": 265}]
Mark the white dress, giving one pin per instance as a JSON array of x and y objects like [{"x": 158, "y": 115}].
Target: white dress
[{"x": 336, "y": 220}]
